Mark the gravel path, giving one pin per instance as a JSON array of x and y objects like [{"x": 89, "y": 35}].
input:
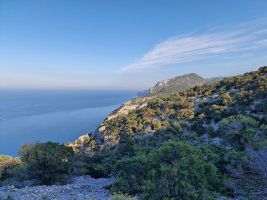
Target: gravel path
[{"x": 80, "y": 188}]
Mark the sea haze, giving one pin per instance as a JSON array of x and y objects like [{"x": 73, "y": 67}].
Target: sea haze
[{"x": 59, "y": 116}]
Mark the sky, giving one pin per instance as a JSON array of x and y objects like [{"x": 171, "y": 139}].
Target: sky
[{"x": 127, "y": 44}]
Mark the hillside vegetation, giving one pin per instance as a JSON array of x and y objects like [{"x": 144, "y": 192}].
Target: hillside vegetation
[
  {"x": 209, "y": 142},
  {"x": 178, "y": 83},
  {"x": 202, "y": 109},
  {"x": 201, "y": 143}
]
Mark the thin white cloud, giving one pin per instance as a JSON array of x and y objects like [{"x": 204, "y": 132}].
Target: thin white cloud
[{"x": 187, "y": 48}]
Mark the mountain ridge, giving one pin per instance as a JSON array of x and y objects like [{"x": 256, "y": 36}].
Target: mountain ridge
[{"x": 181, "y": 83}]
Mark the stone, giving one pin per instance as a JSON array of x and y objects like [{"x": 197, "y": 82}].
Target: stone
[{"x": 80, "y": 187}]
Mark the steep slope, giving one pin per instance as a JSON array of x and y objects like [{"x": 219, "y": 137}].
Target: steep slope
[
  {"x": 143, "y": 113},
  {"x": 227, "y": 118}
]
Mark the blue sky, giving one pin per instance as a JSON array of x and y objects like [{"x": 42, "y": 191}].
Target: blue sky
[{"x": 127, "y": 44}]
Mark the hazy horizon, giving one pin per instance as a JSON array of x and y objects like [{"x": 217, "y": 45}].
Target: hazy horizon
[{"x": 127, "y": 45}]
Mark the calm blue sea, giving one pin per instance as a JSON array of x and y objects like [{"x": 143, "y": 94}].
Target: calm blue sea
[{"x": 60, "y": 116}]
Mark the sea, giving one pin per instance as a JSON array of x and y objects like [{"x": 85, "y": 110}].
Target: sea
[{"x": 30, "y": 116}]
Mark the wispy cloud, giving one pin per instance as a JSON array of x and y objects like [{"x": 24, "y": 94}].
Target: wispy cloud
[{"x": 188, "y": 48}]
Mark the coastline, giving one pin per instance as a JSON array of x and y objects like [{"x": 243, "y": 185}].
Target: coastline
[{"x": 59, "y": 126}]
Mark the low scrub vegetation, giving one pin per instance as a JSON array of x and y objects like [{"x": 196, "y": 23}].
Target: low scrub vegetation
[
  {"x": 175, "y": 170},
  {"x": 47, "y": 162},
  {"x": 195, "y": 144},
  {"x": 7, "y": 163}
]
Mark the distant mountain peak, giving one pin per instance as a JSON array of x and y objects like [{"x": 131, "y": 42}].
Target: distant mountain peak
[{"x": 182, "y": 82}]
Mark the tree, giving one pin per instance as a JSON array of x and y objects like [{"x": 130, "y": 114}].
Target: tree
[{"x": 49, "y": 162}]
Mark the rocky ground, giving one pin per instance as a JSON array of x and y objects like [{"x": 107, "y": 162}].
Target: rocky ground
[{"x": 79, "y": 188}]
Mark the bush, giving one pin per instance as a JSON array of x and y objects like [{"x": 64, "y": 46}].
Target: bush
[
  {"x": 49, "y": 162},
  {"x": 97, "y": 166},
  {"x": 7, "y": 163},
  {"x": 240, "y": 130},
  {"x": 183, "y": 173},
  {"x": 121, "y": 196},
  {"x": 175, "y": 170},
  {"x": 131, "y": 174},
  {"x": 16, "y": 176}
]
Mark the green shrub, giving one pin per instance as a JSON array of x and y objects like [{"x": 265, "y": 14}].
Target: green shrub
[
  {"x": 7, "y": 163},
  {"x": 183, "y": 173},
  {"x": 240, "y": 130},
  {"x": 97, "y": 166},
  {"x": 131, "y": 175},
  {"x": 236, "y": 159},
  {"x": 121, "y": 196},
  {"x": 175, "y": 170},
  {"x": 49, "y": 162}
]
